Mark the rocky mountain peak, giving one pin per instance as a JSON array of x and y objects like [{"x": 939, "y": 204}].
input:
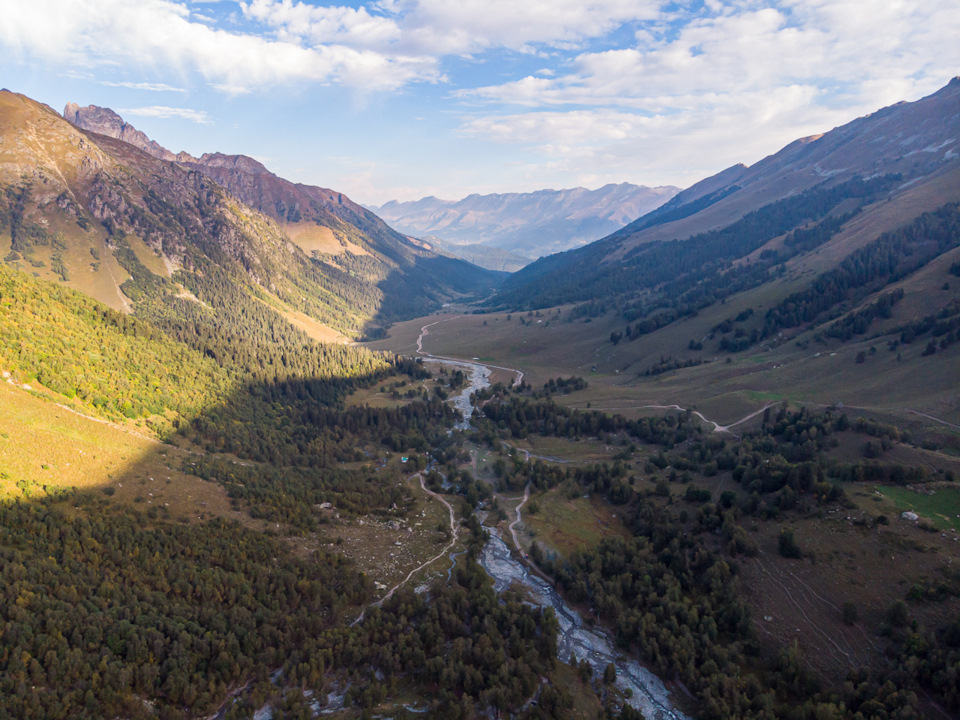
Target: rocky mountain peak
[{"x": 106, "y": 122}]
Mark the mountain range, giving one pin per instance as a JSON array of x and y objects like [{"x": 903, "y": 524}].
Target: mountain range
[
  {"x": 96, "y": 204},
  {"x": 874, "y": 174},
  {"x": 527, "y": 224}
]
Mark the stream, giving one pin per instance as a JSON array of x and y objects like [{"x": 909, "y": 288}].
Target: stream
[{"x": 647, "y": 692}]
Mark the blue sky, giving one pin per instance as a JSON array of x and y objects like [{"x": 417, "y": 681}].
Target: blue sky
[{"x": 398, "y": 99}]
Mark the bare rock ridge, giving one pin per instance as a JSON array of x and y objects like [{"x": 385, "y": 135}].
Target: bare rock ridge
[
  {"x": 254, "y": 185},
  {"x": 106, "y": 122}
]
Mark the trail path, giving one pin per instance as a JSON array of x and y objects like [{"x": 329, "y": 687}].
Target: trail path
[
  {"x": 454, "y": 532},
  {"x": 935, "y": 419},
  {"x": 717, "y": 427},
  {"x": 513, "y": 526}
]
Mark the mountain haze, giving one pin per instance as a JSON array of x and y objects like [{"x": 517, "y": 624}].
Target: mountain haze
[{"x": 529, "y": 224}]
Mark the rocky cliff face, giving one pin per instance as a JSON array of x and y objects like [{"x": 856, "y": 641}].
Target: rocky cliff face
[{"x": 254, "y": 185}]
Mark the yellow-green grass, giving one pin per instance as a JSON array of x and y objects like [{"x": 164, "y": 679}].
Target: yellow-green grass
[
  {"x": 148, "y": 257},
  {"x": 316, "y": 330},
  {"x": 100, "y": 279},
  {"x": 942, "y": 507},
  {"x": 46, "y": 447},
  {"x": 310, "y": 237},
  {"x": 563, "y": 524}
]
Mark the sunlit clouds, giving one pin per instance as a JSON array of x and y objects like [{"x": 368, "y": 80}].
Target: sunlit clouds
[{"x": 486, "y": 95}]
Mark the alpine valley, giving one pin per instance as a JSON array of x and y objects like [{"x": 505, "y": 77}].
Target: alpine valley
[{"x": 262, "y": 455}]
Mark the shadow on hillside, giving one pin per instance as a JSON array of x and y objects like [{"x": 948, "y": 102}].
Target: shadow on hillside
[
  {"x": 425, "y": 285},
  {"x": 145, "y": 589},
  {"x": 272, "y": 452}
]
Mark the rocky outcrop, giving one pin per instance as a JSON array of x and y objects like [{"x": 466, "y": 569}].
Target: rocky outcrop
[{"x": 105, "y": 121}]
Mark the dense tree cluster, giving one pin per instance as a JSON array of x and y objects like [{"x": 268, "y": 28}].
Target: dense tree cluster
[
  {"x": 475, "y": 651},
  {"x": 102, "y": 611},
  {"x": 891, "y": 256},
  {"x": 943, "y": 328},
  {"x": 109, "y": 361},
  {"x": 677, "y": 602},
  {"x": 24, "y": 235},
  {"x": 857, "y": 323},
  {"x": 522, "y": 415}
]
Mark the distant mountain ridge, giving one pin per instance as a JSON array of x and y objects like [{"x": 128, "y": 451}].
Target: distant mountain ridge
[{"x": 530, "y": 224}]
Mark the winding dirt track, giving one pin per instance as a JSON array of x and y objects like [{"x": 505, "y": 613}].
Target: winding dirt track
[
  {"x": 513, "y": 526},
  {"x": 717, "y": 427},
  {"x": 454, "y": 532}
]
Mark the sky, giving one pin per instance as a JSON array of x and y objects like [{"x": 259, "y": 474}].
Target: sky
[{"x": 400, "y": 99}]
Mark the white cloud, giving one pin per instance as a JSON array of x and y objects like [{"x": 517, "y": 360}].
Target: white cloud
[
  {"x": 469, "y": 26},
  {"x": 440, "y": 27},
  {"x": 161, "y": 34},
  {"x": 151, "y": 87},
  {"x": 298, "y": 21},
  {"x": 731, "y": 84},
  {"x": 676, "y": 148},
  {"x": 836, "y": 46},
  {"x": 161, "y": 111}
]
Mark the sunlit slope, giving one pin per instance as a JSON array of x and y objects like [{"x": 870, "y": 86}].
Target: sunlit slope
[{"x": 108, "y": 219}]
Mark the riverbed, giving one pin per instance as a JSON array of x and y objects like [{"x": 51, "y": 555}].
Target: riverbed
[{"x": 647, "y": 693}]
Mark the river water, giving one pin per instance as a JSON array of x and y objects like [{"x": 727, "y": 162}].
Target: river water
[{"x": 648, "y": 693}]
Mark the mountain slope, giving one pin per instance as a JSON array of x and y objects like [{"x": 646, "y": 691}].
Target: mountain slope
[
  {"x": 356, "y": 253},
  {"x": 531, "y": 224},
  {"x": 890, "y": 166}
]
